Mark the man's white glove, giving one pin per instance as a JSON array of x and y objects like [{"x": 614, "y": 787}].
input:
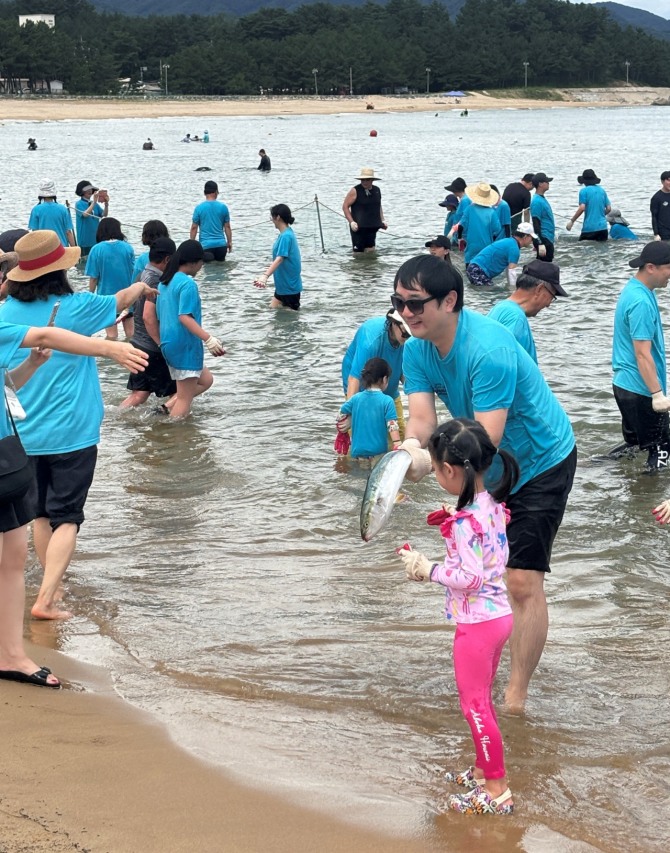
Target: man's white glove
[
  {"x": 662, "y": 512},
  {"x": 568, "y": 225},
  {"x": 421, "y": 464},
  {"x": 261, "y": 281},
  {"x": 353, "y": 225},
  {"x": 659, "y": 402},
  {"x": 512, "y": 274},
  {"x": 343, "y": 423},
  {"x": 657, "y": 236},
  {"x": 542, "y": 251},
  {"x": 417, "y": 566},
  {"x": 215, "y": 346}
]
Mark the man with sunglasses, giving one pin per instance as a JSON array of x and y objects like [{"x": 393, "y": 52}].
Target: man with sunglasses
[
  {"x": 536, "y": 288},
  {"x": 479, "y": 370}
]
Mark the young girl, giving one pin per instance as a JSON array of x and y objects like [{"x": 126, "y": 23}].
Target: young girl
[
  {"x": 110, "y": 268},
  {"x": 153, "y": 229},
  {"x": 373, "y": 414},
  {"x": 286, "y": 263},
  {"x": 472, "y": 573},
  {"x": 179, "y": 318}
]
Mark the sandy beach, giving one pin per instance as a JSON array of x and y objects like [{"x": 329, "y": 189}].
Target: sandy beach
[
  {"x": 62, "y": 108},
  {"x": 82, "y": 771}
]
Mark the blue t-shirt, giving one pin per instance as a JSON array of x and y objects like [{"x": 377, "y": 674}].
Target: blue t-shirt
[
  {"x": 287, "y": 275},
  {"x": 481, "y": 226},
  {"x": 512, "y": 315},
  {"x": 140, "y": 264},
  {"x": 87, "y": 226},
  {"x": 182, "y": 350},
  {"x": 637, "y": 318},
  {"x": 62, "y": 400},
  {"x": 495, "y": 258},
  {"x": 449, "y": 221},
  {"x": 621, "y": 232},
  {"x": 463, "y": 205},
  {"x": 111, "y": 262},
  {"x": 51, "y": 216},
  {"x": 370, "y": 412},
  {"x": 210, "y": 217},
  {"x": 487, "y": 369},
  {"x": 504, "y": 215},
  {"x": 594, "y": 198},
  {"x": 541, "y": 209},
  {"x": 372, "y": 341},
  {"x": 11, "y": 338}
]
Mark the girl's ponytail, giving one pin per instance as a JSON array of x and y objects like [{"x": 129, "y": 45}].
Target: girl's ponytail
[{"x": 509, "y": 479}]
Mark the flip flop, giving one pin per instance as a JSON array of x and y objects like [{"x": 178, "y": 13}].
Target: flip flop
[{"x": 39, "y": 678}]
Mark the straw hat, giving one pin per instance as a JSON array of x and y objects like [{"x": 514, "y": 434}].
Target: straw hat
[
  {"x": 368, "y": 175},
  {"x": 41, "y": 252},
  {"x": 482, "y": 194}
]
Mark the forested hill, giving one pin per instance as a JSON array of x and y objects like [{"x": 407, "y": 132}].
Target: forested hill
[
  {"x": 274, "y": 50},
  {"x": 629, "y": 17}
]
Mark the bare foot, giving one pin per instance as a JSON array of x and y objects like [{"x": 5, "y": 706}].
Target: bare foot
[
  {"x": 514, "y": 704},
  {"x": 53, "y": 612}
]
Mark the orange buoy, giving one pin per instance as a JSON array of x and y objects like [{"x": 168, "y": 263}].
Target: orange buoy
[{"x": 373, "y": 133}]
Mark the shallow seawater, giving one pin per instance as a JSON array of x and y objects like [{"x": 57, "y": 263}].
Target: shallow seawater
[{"x": 220, "y": 573}]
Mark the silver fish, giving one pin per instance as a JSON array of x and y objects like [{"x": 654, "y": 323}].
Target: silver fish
[{"x": 380, "y": 493}]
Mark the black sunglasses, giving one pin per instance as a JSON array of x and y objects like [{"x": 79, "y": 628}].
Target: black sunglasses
[{"x": 414, "y": 306}]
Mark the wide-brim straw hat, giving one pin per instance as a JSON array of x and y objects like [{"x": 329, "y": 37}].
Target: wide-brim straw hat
[
  {"x": 368, "y": 175},
  {"x": 482, "y": 194},
  {"x": 41, "y": 252}
]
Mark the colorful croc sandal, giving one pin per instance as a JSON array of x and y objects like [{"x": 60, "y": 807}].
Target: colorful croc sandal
[
  {"x": 479, "y": 802},
  {"x": 466, "y": 779}
]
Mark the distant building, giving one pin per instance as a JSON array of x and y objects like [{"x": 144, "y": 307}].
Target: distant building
[
  {"x": 56, "y": 87},
  {"x": 49, "y": 20}
]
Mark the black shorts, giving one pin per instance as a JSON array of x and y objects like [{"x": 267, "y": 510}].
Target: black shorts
[
  {"x": 598, "y": 236},
  {"x": 156, "y": 377},
  {"x": 16, "y": 513},
  {"x": 216, "y": 253},
  {"x": 61, "y": 485},
  {"x": 536, "y": 514},
  {"x": 549, "y": 246},
  {"x": 364, "y": 238},
  {"x": 641, "y": 425},
  {"x": 289, "y": 300}
]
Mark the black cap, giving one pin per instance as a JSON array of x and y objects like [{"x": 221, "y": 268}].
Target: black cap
[
  {"x": 528, "y": 177},
  {"x": 541, "y": 178},
  {"x": 657, "y": 253},
  {"x": 82, "y": 186},
  {"x": 211, "y": 187},
  {"x": 450, "y": 201},
  {"x": 443, "y": 242},
  {"x": 458, "y": 185},
  {"x": 9, "y": 238},
  {"x": 551, "y": 273},
  {"x": 161, "y": 248}
]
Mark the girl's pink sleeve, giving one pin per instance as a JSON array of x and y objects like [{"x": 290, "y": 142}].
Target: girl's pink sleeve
[{"x": 463, "y": 567}]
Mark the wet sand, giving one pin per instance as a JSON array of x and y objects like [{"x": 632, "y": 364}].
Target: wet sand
[
  {"x": 83, "y": 771},
  {"x": 62, "y": 108}
]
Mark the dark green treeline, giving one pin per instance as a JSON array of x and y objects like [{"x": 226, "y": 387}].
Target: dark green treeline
[{"x": 386, "y": 46}]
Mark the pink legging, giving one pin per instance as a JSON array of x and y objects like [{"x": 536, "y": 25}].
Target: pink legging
[{"x": 477, "y": 650}]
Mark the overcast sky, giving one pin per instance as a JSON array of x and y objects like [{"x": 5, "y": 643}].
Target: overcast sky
[{"x": 658, "y": 7}]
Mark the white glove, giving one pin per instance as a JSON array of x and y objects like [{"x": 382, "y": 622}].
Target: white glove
[
  {"x": 512, "y": 274},
  {"x": 659, "y": 402},
  {"x": 215, "y": 346},
  {"x": 657, "y": 236},
  {"x": 542, "y": 251},
  {"x": 417, "y": 566},
  {"x": 343, "y": 423},
  {"x": 421, "y": 464},
  {"x": 261, "y": 281},
  {"x": 662, "y": 512},
  {"x": 568, "y": 225},
  {"x": 353, "y": 225}
]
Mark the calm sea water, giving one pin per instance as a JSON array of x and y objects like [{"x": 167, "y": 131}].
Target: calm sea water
[{"x": 220, "y": 574}]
